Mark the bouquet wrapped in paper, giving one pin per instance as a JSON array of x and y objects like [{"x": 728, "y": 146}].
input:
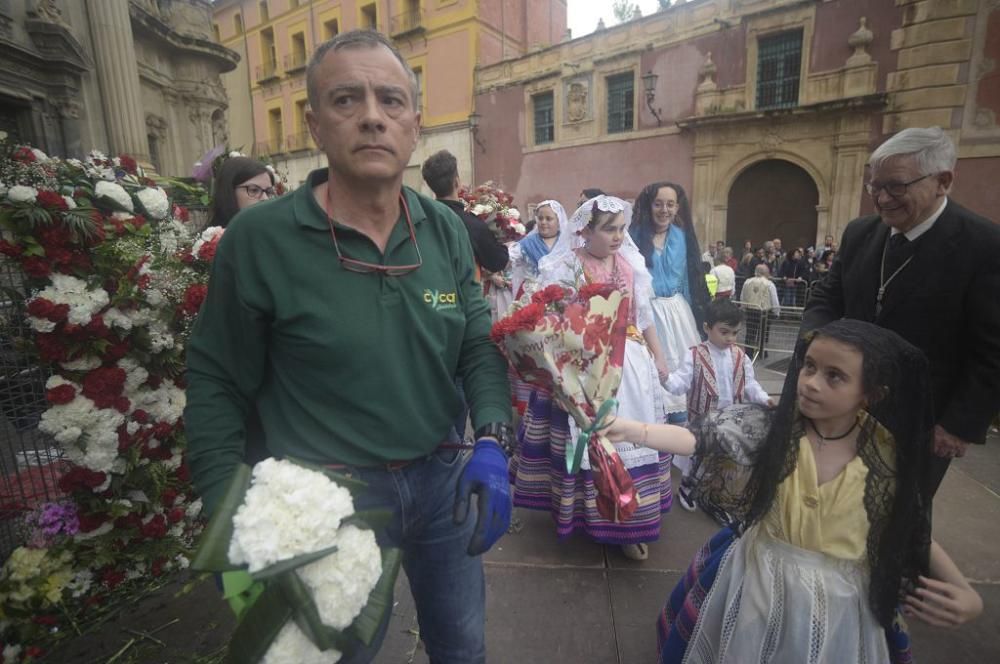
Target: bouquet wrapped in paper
[
  {"x": 300, "y": 567},
  {"x": 572, "y": 343},
  {"x": 496, "y": 207}
]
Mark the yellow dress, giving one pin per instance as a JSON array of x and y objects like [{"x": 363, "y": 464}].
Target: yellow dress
[
  {"x": 829, "y": 519},
  {"x": 795, "y": 587}
]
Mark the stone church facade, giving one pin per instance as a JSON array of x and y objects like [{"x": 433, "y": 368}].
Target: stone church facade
[
  {"x": 764, "y": 110},
  {"x": 140, "y": 77}
]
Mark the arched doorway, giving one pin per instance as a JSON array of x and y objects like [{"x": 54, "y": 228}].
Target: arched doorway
[{"x": 772, "y": 198}]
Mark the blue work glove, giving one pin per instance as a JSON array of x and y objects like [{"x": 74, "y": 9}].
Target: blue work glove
[{"x": 485, "y": 475}]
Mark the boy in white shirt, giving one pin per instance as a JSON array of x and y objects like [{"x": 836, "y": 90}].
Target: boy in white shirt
[{"x": 716, "y": 373}]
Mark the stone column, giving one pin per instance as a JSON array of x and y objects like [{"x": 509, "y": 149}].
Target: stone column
[{"x": 118, "y": 74}]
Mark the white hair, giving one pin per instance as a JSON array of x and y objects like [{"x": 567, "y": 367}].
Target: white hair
[
  {"x": 932, "y": 148},
  {"x": 761, "y": 270}
]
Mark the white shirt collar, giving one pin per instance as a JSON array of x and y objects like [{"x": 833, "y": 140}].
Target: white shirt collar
[{"x": 924, "y": 225}]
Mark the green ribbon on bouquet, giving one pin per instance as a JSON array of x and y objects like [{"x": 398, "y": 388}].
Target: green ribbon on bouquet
[
  {"x": 599, "y": 422},
  {"x": 265, "y": 600}
]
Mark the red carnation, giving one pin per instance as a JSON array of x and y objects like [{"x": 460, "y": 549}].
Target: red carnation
[
  {"x": 128, "y": 163},
  {"x": 206, "y": 252},
  {"x": 140, "y": 416},
  {"x": 168, "y": 496},
  {"x": 112, "y": 577},
  {"x": 137, "y": 222},
  {"x": 97, "y": 327},
  {"x": 122, "y": 404},
  {"x": 181, "y": 213},
  {"x": 51, "y": 200},
  {"x": 175, "y": 515},
  {"x": 61, "y": 394},
  {"x": 36, "y": 267},
  {"x": 130, "y": 520},
  {"x": 117, "y": 351},
  {"x": 155, "y": 528},
  {"x": 33, "y": 652},
  {"x": 79, "y": 477},
  {"x": 45, "y": 620},
  {"x": 91, "y": 522},
  {"x": 24, "y": 155},
  {"x": 183, "y": 473},
  {"x": 12, "y": 250},
  {"x": 193, "y": 297},
  {"x": 549, "y": 294},
  {"x": 156, "y": 569},
  {"x": 54, "y": 236},
  {"x": 104, "y": 385},
  {"x": 51, "y": 348}
]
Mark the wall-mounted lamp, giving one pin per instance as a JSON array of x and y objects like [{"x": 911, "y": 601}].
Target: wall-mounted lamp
[
  {"x": 474, "y": 128},
  {"x": 649, "y": 85}
]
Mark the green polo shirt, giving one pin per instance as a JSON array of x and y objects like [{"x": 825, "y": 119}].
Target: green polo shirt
[{"x": 342, "y": 367}]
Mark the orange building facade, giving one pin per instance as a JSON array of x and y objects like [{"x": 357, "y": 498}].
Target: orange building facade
[{"x": 442, "y": 40}]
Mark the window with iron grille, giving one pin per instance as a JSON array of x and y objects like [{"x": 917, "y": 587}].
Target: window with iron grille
[
  {"x": 621, "y": 102},
  {"x": 545, "y": 126},
  {"x": 779, "y": 59}
]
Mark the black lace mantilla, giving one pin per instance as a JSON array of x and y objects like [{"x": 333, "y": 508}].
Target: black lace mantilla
[{"x": 744, "y": 453}]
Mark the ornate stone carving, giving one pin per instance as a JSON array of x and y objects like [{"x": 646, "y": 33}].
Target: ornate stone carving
[
  {"x": 68, "y": 107},
  {"x": 576, "y": 101},
  {"x": 156, "y": 125},
  {"x": 706, "y": 74},
  {"x": 771, "y": 140},
  {"x": 985, "y": 119},
  {"x": 860, "y": 41},
  {"x": 46, "y": 10},
  {"x": 220, "y": 131}
]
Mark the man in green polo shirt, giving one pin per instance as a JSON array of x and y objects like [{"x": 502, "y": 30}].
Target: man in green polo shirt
[{"x": 343, "y": 313}]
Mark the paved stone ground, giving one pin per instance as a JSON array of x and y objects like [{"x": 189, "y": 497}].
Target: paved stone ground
[{"x": 579, "y": 602}]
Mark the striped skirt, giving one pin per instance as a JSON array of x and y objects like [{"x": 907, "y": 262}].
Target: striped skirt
[{"x": 538, "y": 473}]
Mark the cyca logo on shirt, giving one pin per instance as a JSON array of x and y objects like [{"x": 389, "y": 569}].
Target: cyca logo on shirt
[{"x": 440, "y": 301}]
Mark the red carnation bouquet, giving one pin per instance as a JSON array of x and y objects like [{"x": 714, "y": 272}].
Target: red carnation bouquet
[
  {"x": 496, "y": 207},
  {"x": 572, "y": 343}
]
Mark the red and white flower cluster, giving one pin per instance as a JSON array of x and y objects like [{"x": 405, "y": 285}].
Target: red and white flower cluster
[
  {"x": 496, "y": 207},
  {"x": 112, "y": 285}
]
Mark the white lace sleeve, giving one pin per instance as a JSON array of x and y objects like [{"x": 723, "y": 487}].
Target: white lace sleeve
[{"x": 564, "y": 269}]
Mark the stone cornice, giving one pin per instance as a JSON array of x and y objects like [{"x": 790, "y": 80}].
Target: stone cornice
[
  {"x": 865, "y": 102},
  {"x": 143, "y": 20}
]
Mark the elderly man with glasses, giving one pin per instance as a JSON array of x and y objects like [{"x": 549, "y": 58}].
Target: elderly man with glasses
[
  {"x": 926, "y": 268},
  {"x": 343, "y": 314}
]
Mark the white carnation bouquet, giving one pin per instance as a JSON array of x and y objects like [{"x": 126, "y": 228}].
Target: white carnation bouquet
[{"x": 301, "y": 568}]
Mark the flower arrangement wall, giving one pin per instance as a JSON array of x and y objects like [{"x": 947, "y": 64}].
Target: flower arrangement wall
[{"x": 113, "y": 279}]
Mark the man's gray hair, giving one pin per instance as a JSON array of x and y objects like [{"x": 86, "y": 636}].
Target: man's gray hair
[
  {"x": 932, "y": 148},
  {"x": 762, "y": 270},
  {"x": 355, "y": 39}
]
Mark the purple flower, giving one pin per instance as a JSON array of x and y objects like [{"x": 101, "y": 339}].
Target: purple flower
[
  {"x": 57, "y": 519},
  {"x": 203, "y": 169}
]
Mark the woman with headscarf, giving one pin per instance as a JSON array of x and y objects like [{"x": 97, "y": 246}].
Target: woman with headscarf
[
  {"x": 828, "y": 527},
  {"x": 664, "y": 233},
  {"x": 596, "y": 248}
]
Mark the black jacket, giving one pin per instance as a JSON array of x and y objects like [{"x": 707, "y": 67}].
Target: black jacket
[
  {"x": 944, "y": 302},
  {"x": 490, "y": 254}
]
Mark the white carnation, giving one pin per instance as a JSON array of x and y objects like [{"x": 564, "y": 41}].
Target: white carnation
[
  {"x": 342, "y": 581},
  {"x": 115, "y": 192},
  {"x": 479, "y": 209},
  {"x": 21, "y": 194},
  {"x": 292, "y": 646},
  {"x": 70, "y": 203},
  {"x": 236, "y": 153},
  {"x": 135, "y": 375},
  {"x": 155, "y": 297},
  {"x": 88, "y": 434},
  {"x": 41, "y": 324},
  {"x": 39, "y": 155},
  {"x": 83, "y": 301},
  {"x": 513, "y": 213},
  {"x": 115, "y": 317},
  {"x": 160, "y": 338},
  {"x": 85, "y": 363},
  {"x": 287, "y": 511},
  {"x": 154, "y": 201}
]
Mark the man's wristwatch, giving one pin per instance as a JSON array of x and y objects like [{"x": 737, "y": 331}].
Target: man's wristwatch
[{"x": 499, "y": 431}]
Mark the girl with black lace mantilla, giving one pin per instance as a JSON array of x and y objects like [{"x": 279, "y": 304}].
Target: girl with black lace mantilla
[{"x": 830, "y": 542}]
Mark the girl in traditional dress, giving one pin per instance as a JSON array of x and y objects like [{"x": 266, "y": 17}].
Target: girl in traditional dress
[
  {"x": 665, "y": 235},
  {"x": 550, "y": 223},
  {"x": 830, "y": 525},
  {"x": 596, "y": 248}
]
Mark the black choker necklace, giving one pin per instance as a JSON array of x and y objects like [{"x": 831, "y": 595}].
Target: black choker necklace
[{"x": 823, "y": 440}]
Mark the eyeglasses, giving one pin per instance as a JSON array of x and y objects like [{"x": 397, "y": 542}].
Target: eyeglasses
[
  {"x": 894, "y": 189},
  {"x": 363, "y": 267},
  {"x": 255, "y": 192}
]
